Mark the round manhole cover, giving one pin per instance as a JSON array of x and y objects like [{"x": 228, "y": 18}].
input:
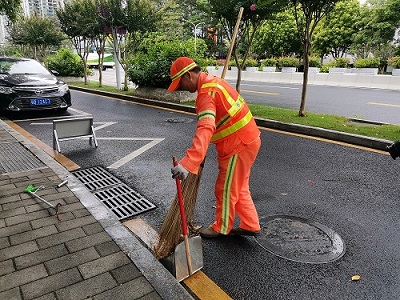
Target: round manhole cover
[{"x": 300, "y": 240}]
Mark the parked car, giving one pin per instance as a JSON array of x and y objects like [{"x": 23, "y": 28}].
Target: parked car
[{"x": 26, "y": 85}]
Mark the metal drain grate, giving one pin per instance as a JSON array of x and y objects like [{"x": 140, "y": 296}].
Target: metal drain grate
[
  {"x": 119, "y": 198},
  {"x": 14, "y": 157}
]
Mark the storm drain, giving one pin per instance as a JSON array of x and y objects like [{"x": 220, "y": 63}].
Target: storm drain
[
  {"x": 14, "y": 157},
  {"x": 119, "y": 198},
  {"x": 300, "y": 240}
]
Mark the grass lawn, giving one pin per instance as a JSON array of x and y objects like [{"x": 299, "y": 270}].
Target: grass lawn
[{"x": 342, "y": 124}]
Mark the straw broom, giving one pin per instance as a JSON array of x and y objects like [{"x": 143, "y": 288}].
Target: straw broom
[{"x": 170, "y": 234}]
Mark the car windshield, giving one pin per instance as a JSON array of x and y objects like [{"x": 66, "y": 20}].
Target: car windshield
[{"x": 22, "y": 67}]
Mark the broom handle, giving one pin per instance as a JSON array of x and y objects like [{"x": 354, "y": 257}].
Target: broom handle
[
  {"x": 183, "y": 218},
  {"x": 235, "y": 31}
]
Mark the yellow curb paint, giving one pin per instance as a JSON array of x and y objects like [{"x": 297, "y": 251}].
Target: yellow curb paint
[
  {"x": 64, "y": 161},
  {"x": 259, "y": 92},
  {"x": 198, "y": 283},
  {"x": 325, "y": 140},
  {"x": 204, "y": 288},
  {"x": 383, "y": 104}
]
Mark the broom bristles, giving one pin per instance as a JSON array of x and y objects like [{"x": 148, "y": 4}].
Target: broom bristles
[{"x": 170, "y": 234}]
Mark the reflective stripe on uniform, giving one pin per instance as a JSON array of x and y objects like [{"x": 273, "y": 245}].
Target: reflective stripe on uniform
[
  {"x": 206, "y": 114},
  {"x": 227, "y": 194},
  {"x": 181, "y": 72},
  {"x": 236, "y": 105},
  {"x": 233, "y": 128}
]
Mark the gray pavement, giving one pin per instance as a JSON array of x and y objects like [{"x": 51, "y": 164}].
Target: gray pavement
[{"x": 86, "y": 253}]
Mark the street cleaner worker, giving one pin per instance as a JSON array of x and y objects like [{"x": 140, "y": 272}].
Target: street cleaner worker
[{"x": 224, "y": 119}]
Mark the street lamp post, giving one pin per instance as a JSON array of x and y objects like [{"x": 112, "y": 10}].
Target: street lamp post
[
  {"x": 195, "y": 36},
  {"x": 195, "y": 29}
]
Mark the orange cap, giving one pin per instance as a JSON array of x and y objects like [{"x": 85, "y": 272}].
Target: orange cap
[{"x": 179, "y": 67}]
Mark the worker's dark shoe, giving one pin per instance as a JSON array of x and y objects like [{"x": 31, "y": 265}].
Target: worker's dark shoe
[
  {"x": 240, "y": 231},
  {"x": 209, "y": 233}
]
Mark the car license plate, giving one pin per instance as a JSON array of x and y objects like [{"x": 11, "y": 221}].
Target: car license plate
[{"x": 40, "y": 101}]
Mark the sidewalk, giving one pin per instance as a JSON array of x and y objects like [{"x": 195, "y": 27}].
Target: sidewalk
[{"x": 87, "y": 254}]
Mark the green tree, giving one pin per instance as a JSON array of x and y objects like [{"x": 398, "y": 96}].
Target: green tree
[
  {"x": 37, "y": 33},
  {"x": 376, "y": 27},
  {"x": 277, "y": 36},
  {"x": 308, "y": 13},
  {"x": 334, "y": 35},
  {"x": 125, "y": 22},
  {"x": 10, "y": 8},
  {"x": 78, "y": 20},
  {"x": 254, "y": 13}
]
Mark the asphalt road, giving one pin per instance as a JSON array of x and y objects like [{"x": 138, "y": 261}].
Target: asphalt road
[
  {"x": 376, "y": 105},
  {"x": 353, "y": 191}
]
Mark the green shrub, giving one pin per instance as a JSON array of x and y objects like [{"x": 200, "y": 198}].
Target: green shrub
[
  {"x": 367, "y": 63},
  {"x": 314, "y": 62},
  {"x": 151, "y": 68},
  {"x": 394, "y": 62},
  {"x": 288, "y": 62},
  {"x": 66, "y": 63},
  {"x": 341, "y": 62},
  {"x": 269, "y": 62},
  {"x": 251, "y": 62}
]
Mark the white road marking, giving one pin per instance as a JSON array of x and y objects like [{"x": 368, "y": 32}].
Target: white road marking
[{"x": 133, "y": 154}]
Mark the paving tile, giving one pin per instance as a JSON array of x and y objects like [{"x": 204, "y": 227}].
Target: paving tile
[
  {"x": 10, "y": 199},
  {"x": 88, "y": 288},
  {"x": 18, "y": 250},
  {"x": 87, "y": 241},
  {"x": 15, "y": 229},
  {"x": 51, "y": 284},
  {"x": 92, "y": 228},
  {"x": 27, "y": 217},
  {"x": 40, "y": 256},
  {"x": 81, "y": 212},
  {"x": 4, "y": 242},
  {"x": 103, "y": 264},
  {"x": 60, "y": 238},
  {"x": 49, "y": 220},
  {"x": 107, "y": 248},
  {"x": 74, "y": 223},
  {"x": 136, "y": 289},
  {"x": 22, "y": 277},
  {"x": 6, "y": 267},
  {"x": 71, "y": 260},
  {"x": 12, "y": 294},
  {"x": 8, "y": 190},
  {"x": 12, "y": 212},
  {"x": 32, "y": 234},
  {"x": 126, "y": 273},
  {"x": 50, "y": 296}
]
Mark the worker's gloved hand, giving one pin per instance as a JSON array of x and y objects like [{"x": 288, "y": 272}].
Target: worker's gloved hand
[{"x": 179, "y": 172}]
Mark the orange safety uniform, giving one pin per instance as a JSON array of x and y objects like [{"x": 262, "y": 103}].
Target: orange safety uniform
[{"x": 223, "y": 118}]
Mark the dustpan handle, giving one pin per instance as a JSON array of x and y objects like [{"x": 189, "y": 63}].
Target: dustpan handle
[{"x": 180, "y": 200}]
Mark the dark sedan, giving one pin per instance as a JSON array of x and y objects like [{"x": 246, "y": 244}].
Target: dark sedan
[{"x": 26, "y": 85}]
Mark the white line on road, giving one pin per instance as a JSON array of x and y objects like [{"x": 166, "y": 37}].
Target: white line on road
[{"x": 135, "y": 153}]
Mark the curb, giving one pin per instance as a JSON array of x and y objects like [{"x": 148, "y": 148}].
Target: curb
[{"x": 360, "y": 140}]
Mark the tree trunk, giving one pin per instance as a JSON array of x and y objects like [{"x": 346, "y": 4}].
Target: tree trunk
[{"x": 302, "y": 110}]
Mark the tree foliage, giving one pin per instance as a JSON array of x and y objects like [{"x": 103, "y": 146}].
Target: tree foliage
[
  {"x": 36, "y": 33},
  {"x": 376, "y": 27},
  {"x": 334, "y": 34},
  {"x": 277, "y": 36},
  {"x": 79, "y": 21},
  {"x": 254, "y": 13},
  {"x": 10, "y": 8}
]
